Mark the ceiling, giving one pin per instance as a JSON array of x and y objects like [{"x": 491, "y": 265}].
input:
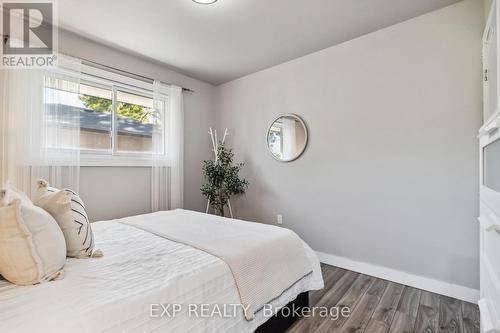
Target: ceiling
[{"x": 232, "y": 38}]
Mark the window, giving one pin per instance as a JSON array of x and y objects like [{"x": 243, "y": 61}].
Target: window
[
  {"x": 116, "y": 119},
  {"x": 94, "y": 104},
  {"x": 275, "y": 142},
  {"x": 136, "y": 120}
]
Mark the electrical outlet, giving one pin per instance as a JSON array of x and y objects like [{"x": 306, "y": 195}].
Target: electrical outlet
[{"x": 279, "y": 219}]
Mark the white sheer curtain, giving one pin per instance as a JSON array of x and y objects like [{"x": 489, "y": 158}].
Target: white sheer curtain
[
  {"x": 175, "y": 147},
  {"x": 289, "y": 138},
  {"x": 167, "y": 180},
  {"x": 39, "y": 134}
]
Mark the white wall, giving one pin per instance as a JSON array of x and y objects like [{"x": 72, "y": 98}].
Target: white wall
[
  {"x": 116, "y": 192},
  {"x": 390, "y": 176}
]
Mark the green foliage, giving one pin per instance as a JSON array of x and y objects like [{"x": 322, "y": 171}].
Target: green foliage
[
  {"x": 222, "y": 179},
  {"x": 96, "y": 103},
  {"x": 132, "y": 111}
]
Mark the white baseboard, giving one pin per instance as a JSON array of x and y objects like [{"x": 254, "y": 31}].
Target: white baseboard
[{"x": 412, "y": 280}]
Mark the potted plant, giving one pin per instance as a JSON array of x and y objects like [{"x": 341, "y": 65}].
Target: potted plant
[{"x": 222, "y": 179}]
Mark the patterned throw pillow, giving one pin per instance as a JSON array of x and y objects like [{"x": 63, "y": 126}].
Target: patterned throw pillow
[{"x": 68, "y": 210}]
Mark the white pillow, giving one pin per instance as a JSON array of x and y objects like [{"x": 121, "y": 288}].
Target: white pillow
[
  {"x": 10, "y": 193},
  {"x": 32, "y": 246},
  {"x": 69, "y": 211}
]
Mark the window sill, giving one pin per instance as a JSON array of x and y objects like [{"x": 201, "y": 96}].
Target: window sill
[{"x": 101, "y": 160}]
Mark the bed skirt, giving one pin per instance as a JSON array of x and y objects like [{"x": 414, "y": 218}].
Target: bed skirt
[{"x": 279, "y": 323}]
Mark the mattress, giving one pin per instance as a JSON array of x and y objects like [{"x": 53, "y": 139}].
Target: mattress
[{"x": 121, "y": 291}]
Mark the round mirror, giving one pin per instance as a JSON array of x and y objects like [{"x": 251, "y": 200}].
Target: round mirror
[{"x": 287, "y": 137}]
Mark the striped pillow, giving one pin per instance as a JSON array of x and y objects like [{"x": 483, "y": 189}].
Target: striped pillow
[{"x": 68, "y": 210}]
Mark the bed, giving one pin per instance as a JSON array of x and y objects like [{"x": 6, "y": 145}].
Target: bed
[{"x": 123, "y": 291}]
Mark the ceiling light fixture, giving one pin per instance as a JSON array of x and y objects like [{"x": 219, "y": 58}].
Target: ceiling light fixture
[{"x": 205, "y": 2}]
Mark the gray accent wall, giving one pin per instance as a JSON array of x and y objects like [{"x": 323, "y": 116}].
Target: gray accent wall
[
  {"x": 112, "y": 192},
  {"x": 390, "y": 176},
  {"x": 115, "y": 192},
  {"x": 487, "y": 7}
]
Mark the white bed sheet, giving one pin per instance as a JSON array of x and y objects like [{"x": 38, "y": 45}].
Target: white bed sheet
[{"x": 115, "y": 293}]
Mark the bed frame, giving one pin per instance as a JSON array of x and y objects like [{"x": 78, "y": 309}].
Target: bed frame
[{"x": 278, "y": 323}]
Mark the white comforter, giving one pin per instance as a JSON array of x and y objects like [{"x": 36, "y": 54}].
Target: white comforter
[
  {"x": 115, "y": 293},
  {"x": 265, "y": 260}
]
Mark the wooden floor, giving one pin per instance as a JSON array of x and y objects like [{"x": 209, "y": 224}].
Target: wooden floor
[{"x": 380, "y": 306}]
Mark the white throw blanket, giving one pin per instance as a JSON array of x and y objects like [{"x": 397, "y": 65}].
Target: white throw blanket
[{"x": 265, "y": 260}]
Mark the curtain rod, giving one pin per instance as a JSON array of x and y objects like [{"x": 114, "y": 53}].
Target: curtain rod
[
  {"x": 116, "y": 70},
  {"x": 126, "y": 73}
]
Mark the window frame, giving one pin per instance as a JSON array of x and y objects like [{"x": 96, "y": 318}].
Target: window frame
[
  {"x": 117, "y": 82},
  {"x": 101, "y": 85}
]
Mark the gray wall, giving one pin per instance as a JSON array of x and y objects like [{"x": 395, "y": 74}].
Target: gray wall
[
  {"x": 116, "y": 192},
  {"x": 487, "y": 7},
  {"x": 390, "y": 175}
]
